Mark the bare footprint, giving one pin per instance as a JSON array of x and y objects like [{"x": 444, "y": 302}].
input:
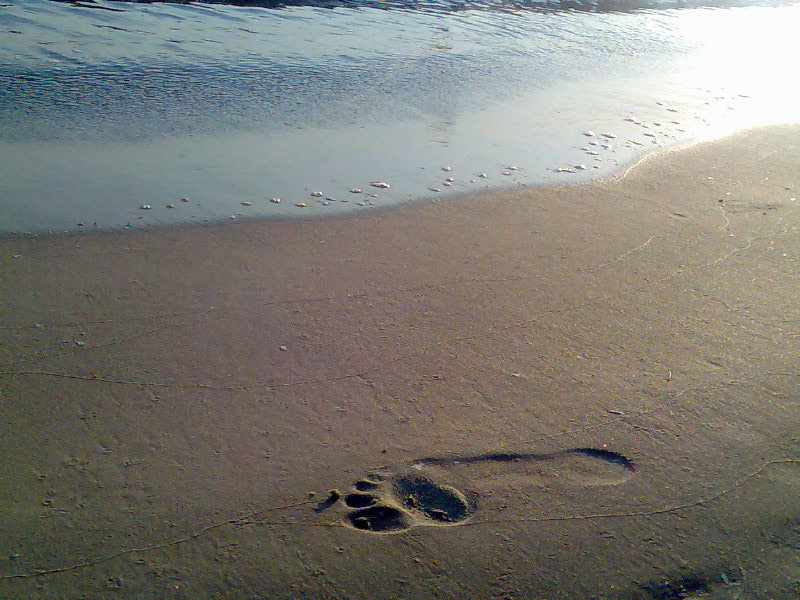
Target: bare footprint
[
  {"x": 575, "y": 466},
  {"x": 387, "y": 502}
]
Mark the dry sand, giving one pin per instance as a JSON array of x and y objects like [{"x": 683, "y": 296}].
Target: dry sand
[{"x": 574, "y": 392}]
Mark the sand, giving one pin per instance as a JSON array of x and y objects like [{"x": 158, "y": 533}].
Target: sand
[{"x": 574, "y": 392}]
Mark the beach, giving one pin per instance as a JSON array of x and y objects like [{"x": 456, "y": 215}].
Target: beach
[
  {"x": 162, "y": 114},
  {"x": 575, "y": 391}
]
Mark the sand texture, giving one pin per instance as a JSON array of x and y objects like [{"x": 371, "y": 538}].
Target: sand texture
[{"x": 550, "y": 393}]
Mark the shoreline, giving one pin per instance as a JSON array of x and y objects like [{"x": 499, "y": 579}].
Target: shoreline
[
  {"x": 209, "y": 179},
  {"x": 617, "y": 175},
  {"x": 67, "y": 164},
  {"x": 581, "y": 391}
]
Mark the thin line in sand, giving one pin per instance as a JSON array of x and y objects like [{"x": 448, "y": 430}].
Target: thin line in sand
[
  {"x": 248, "y": 520},
  {"x": 275, "y": 385},
  {"x": 224, "y": 312}
]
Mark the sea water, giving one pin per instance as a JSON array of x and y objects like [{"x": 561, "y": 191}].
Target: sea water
[{"x": 122, "y": 114}]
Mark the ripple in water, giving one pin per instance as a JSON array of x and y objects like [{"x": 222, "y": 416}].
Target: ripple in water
[{"x": 103, "y": 111}]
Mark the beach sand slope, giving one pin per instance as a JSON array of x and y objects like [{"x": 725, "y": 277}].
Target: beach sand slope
[{"x": 575, "y": 392}]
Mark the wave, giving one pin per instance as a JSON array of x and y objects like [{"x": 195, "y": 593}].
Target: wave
[{"x": 447, "y": 6}]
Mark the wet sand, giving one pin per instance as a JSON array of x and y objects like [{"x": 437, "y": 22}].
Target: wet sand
[{"x": 570, "y": 392}]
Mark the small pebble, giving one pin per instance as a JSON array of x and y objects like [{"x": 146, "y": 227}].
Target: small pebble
[
  {"x": 610, "y": 136},
  {"x": 301, "y": 204},
  {"x": 450, "y": 180},
  {"x": 513, "y": 168},
  {"x": 588, "y": 133},
  {"x": 447, "y": 184},
  {"x": 275, "y": 200},
  {"x": 433, "y": 189},
  {"x": 146, "y": 207},
  {"x": 581, "y": 167},
  {"x": 316, "y": 194},
  {"x": 482, "y": 175},
  {"x": 447, "y": 169},
  {"x": 380, "y": 184},
  {"x": 356, "y": 191},
  {"x": 506, "y": 172},
  {"x": 247, "y": 204},
  {"x": 170, "y": 206},
  {"x": 283, "y": 348},
  {"x": 184, "y": 199}
]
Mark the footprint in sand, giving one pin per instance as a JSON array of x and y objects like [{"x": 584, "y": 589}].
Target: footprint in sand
[{"x": 386, "y": 502}]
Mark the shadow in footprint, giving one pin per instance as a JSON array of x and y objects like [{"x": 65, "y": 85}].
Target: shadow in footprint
[
  {"x": 596, "y": 453},
  {"x": 577, "y": 466},
  {"x": 365, "y": 485},
  {"x": 389, "y": 503},
  {"x": 358, "y": 500},
  {"x": 437, "y": 502},
  {"x": 405, "y": 500},
  {"x": 380, "y": 519}
]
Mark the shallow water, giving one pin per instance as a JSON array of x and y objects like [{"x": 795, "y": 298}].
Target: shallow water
[{"x": 108, "y": 109}]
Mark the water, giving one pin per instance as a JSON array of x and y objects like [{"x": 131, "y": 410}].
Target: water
[{"x": 108, "y": 107}]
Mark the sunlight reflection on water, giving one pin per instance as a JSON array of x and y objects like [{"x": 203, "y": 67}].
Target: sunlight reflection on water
[{"x": 103, "y": 112}]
